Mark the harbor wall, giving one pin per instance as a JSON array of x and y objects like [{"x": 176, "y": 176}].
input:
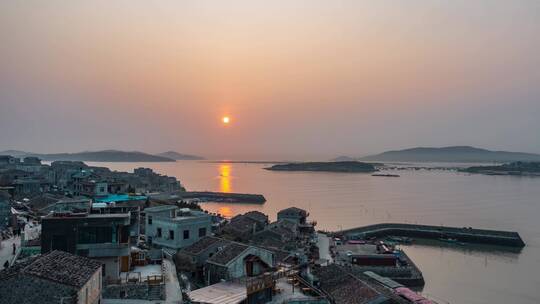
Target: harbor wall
[{"x": 469, "y": 235}]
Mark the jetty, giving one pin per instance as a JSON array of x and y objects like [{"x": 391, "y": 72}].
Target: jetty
[
  {"x": 222, "y": 197},
  {"x": 465, "y": 234}
]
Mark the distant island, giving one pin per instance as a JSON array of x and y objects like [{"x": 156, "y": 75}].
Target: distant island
[
  {"x": 343, "y": 166},
  {"x": 179, "y": 156},
  {"x": 464, "y": 154},
  {"x": 94, "y": 156},
  {"x": 515, "y": 168}
]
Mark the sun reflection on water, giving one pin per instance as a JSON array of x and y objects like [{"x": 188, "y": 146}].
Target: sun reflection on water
[
  {"x": 225, "y": 211},
  {"x": 225, "y": 184}
]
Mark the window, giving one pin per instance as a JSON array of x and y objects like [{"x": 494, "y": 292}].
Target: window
[
  {"x": 149, "y": 220},
  {"x": 171, "y": 234},
  {"x": 159, "y": 232},
  {"x": 186, "y": 234},
  {"x": 96, "y": 235},
  {"x": 202, "y": 232}
]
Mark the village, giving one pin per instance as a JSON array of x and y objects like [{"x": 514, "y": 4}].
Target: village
[{"x": 72, "y": 233}]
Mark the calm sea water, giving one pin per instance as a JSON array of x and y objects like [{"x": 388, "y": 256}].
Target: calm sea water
[{"x": 454, "y": 274}]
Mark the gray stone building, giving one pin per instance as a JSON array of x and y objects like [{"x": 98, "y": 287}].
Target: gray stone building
[
  {"x": 171, "y": 227},
  {"x": 52, "y": 278},
  {"x": 294, "y": 214},
  {"x": 237, "y": 260}
]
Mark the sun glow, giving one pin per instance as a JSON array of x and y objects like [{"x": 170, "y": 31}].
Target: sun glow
[
  {"x": 225, "y": 178},
  {"x": 226, "y": 120}
]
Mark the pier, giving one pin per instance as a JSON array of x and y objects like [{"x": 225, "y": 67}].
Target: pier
[
  {"x": 468, "y": 235},
  {"x": 225, "y": 197}
]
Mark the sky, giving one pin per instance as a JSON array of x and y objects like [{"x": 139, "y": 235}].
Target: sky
[{"x": 306, "y": 79}]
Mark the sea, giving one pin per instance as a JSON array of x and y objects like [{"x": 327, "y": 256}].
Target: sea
[{"x": 454, "y": 273}]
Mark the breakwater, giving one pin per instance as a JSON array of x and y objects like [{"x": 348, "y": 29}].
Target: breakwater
[
  {"x": 223, "y": 197},
  {"x": 465, "y": 234}
]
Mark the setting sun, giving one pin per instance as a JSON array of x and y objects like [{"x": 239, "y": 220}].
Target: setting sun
[{"x": 226, "y": 120}]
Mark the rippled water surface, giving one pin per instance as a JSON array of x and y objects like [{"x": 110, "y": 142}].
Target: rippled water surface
[{"x": 454, "y": 274}]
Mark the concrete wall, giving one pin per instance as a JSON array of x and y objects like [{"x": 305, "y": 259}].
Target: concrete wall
[
  {"x": 112, "y": 266},
  {"x": 90, "y": 293},
  {"x": 291, "y": 216},
  {"x": 482, "y": 236},
  {"x": 101, "y": 189}
]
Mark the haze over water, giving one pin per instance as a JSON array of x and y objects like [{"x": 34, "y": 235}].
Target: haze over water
[{"x": 456, "y": 274}]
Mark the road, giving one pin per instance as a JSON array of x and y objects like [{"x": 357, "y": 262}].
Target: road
[
  {"x": 173, "y": 293},
  {"x": 6, "y": 249}
]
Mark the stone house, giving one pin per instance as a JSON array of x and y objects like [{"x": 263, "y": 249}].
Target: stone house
[
  {"x": 55, "y": 277},
  {"x": 293, "y": 214},
  {"x": 236, "y": 261}
]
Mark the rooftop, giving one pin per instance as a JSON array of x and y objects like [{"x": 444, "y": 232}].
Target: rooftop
[
  {"x": 69, "y": 215},
  {"x": 179, "y": 213},
  {"x": 258, "y": 216},
  {"x": 357, "y": 249},
  {"x": 63, "y": 267},
  {"x": 203, "y": 243},
  {"x": 294, "y": 210},
  {"x": 119, "y": 198},
  {"x": 343, "y": 287},
  {"x": 160, "y": 208},
  {"x": 227, "y": 254},
  {"x": 220, "y": 293}
]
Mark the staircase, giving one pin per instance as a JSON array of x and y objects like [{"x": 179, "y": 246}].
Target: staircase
[{"x": 155, "y": 292}]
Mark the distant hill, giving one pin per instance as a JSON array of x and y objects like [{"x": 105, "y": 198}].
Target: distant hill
[
  {"x": 179, "y": 156},
  {"x": 344, "y": 167},
  {"x": 515, "y": 168},
  {"x": 342, "y": 159},
  {"x": 96, "y": 156},
  {"x": 451, "y": 154},
  {"x": 15, "y": 153}
]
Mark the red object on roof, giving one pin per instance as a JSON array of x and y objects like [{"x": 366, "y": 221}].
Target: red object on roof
[{"x": 412, "y": 296}]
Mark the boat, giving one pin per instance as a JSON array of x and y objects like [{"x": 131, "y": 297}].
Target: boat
[{"x": 385, "y": 175}]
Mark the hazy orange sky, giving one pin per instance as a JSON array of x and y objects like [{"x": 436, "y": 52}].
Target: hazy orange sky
[{"x": 299, "y": 79}]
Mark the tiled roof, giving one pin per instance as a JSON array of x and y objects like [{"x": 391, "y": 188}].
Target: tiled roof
[
  {"x": 241, "y": 224},
  {"x": 258, "y": 216},
  {"x": 294, "y": 210},
  {"x": 9, "y": 272},
  {"x": 203, "y": 243},
  {"x": 63, "y": 267},
  {"x": 227, "y": 254},
  {"x": 343, "y": 287}
]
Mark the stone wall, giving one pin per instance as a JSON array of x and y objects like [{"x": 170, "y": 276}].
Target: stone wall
[{"x": 133, "y": 291}]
